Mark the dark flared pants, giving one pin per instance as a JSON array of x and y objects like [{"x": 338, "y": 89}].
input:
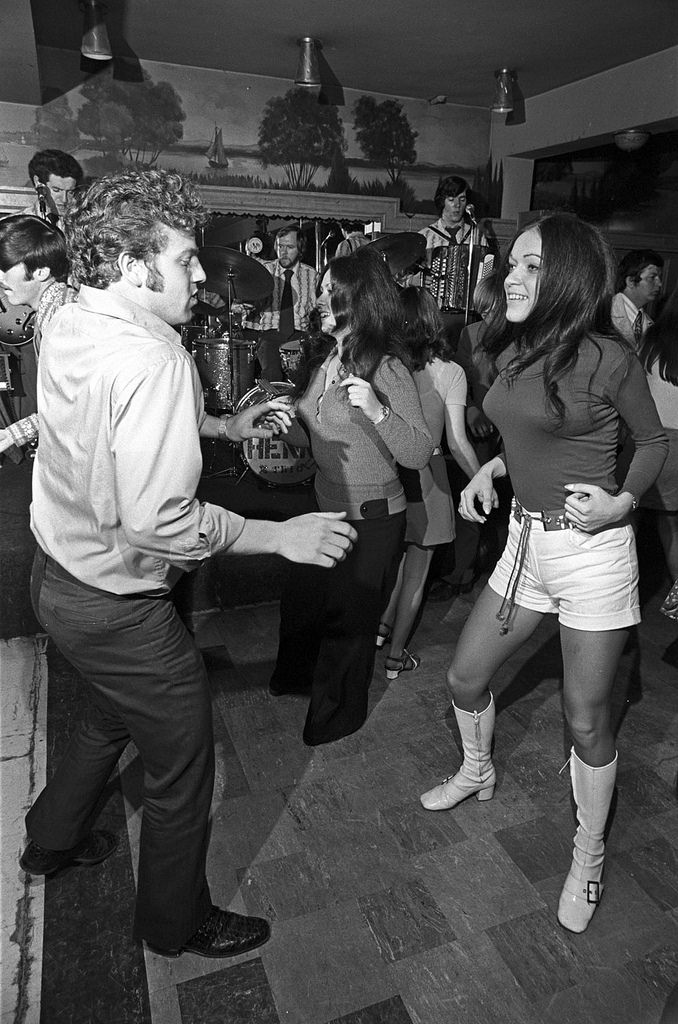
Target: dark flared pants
[
  {"x": 146, "y": 682},
  {"x": 328, "y": 622}
]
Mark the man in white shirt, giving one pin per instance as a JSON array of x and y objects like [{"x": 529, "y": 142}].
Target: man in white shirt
[
  {"x": 117, "y": 522},
  {"x": 282, "y": 318},
  {"x": 639, "y": 283}
]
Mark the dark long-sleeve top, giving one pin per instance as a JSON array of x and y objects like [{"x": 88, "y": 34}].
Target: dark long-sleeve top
[
  {"x": 541, "y": 454},
  {"x": 357, "y": 459}
]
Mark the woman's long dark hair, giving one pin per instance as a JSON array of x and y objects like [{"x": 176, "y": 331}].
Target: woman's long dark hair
[
  {"x": 365, "y": 300},
  {"x": 424, "y": 328},
  {"x": 660, "y": 342},
  {"x": 573, "y": 302}
]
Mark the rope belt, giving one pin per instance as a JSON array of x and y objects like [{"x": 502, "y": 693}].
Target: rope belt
[{"x": 547, "y": 519}]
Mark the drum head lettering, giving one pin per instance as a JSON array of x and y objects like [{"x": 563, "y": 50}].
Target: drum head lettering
[{"x": 272, "y": 458}]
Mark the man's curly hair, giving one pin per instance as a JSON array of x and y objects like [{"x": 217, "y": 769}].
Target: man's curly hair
[{"x": 128, "y": 212}]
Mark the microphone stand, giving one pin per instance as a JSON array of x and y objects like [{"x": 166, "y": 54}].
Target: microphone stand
[{"x": 471, "y": 253}]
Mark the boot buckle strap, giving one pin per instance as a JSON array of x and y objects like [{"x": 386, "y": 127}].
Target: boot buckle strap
[{"x": 593, "y": 892}]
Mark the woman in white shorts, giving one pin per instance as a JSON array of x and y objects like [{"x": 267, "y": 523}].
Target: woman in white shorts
[{"x": 564, "y": 380}]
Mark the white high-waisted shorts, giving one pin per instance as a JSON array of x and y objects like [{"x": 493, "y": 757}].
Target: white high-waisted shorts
[{"x": 589, "y": 580}]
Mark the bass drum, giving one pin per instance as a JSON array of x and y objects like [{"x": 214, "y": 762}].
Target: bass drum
[
  {"x": 271, "y": 458},
  {"x": 16, "y": 324}
]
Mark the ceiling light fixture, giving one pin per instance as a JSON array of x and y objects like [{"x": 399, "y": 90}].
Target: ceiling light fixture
[
  {"x": 95, "y": 42},
  {"x": 631, "y": 139},
  {"x": 503, "y": 91},
  {"x": 308, "y": 68}
]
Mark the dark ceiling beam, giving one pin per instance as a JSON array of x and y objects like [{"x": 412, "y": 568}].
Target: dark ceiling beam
[{"x": 18, "y": 55}]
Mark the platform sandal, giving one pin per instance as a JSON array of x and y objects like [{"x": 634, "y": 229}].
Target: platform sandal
[{"x": 394, "y": 666}]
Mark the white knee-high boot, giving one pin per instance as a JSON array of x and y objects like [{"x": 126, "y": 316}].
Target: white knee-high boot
[
  {"x": 593, "y": 789},
  {"x": 476, "y": 775}
]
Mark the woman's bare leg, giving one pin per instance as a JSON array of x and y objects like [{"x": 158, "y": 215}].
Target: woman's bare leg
[
  {"x": 482, "y": 649},
  {"x": 590, "y": 661},
  {"x": 414, "y": 569}
]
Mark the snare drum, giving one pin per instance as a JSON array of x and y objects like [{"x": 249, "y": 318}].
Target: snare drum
[{"x": 271, "y": 458}]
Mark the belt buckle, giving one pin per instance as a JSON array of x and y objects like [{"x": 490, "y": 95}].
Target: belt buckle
[
  {"x": 517, "y": 511},
  {"x": 554, "y": 522}
]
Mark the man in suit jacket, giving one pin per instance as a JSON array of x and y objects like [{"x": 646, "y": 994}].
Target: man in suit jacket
[{"x": 639, "y": 283}]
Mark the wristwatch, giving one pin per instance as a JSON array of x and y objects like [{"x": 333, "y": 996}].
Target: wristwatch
[
  {"x": 222, "y": 433},
  {"x": 383, "y": 415}
]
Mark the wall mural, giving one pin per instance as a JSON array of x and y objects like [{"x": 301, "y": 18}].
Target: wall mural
[
  {"x": 620, "y": 191},
  {"x": 248, "y": 131}
]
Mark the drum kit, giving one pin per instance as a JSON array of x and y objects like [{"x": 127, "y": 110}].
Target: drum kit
[{"x": 225, "y": 360}]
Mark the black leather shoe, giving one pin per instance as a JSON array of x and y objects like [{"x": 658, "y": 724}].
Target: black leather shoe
[
  {"x": 37, "y": 860},
  {"x": 223, "y": 934}
]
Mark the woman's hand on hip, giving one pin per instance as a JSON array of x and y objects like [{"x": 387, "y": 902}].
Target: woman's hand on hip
[
  {"x": 589, "y": 507},
  {"x": 361, "y": 394}
]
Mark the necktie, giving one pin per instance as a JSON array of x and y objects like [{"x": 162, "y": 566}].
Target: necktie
[
  {"x": 638, "y": 326},
  {"x": 287, "y": 308}
]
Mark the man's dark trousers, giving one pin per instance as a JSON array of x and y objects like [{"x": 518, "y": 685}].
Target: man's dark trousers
[{"x": 146, "y": 682}]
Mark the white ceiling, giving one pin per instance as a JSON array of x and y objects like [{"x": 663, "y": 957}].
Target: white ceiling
[{"x": 417, "y": 48}]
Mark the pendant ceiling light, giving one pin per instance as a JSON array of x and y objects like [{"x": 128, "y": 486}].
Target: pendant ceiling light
[
  {"x": 631, "y": 139},
  {"x": 503, "y": 91},
  {"x": 95, "y": 42},
  {"x": 308, "y": 68}
]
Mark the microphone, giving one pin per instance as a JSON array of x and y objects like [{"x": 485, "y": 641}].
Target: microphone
[
  {"x": 471, "y": 213},
  {"x": 42, "y": 199},
  {"x": 327, "y": 238},
  {"x": 46, "y": 205}
]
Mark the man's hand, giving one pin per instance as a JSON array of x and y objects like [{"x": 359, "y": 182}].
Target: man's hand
[
  {"x": 264, "y": 420},
  {"x": 477, "y": 423},
  {"x": 319, "y": 538}
]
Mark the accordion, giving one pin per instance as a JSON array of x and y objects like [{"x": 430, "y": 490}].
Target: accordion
[{"x": 448, "y": 278}]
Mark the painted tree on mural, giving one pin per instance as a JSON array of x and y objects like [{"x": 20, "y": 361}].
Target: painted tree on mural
[
  {"x": 300, "y": 135},
  {"x": 55, "y": 126},
  {"x": 137, "y": 120},
  {"x": 384, "y": 134}
]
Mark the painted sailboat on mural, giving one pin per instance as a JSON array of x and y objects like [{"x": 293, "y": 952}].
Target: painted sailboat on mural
[{"x": 216, "y": 155}]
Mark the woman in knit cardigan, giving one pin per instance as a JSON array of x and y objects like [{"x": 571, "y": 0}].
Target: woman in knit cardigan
[{"x": 362, "y": 415}]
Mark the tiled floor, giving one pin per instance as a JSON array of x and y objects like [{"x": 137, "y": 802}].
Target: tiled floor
[{"x": 382, "y": 913}]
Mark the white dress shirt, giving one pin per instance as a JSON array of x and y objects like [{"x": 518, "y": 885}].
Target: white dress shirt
[{"x": 119, "y": 460}]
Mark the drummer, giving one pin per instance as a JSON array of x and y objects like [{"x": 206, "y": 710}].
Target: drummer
[{"x": 282, "y": 317}]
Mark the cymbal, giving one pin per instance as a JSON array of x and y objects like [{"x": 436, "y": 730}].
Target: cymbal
[
  {"x": 400, "y": 250},
  {"x": 233, "y": 275}
]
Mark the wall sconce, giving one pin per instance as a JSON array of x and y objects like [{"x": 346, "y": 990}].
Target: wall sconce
[
  {"x": 95, "y": 42},
  {"x": 631, "y": 139},
  {"x": 503, "y": 91},
  {"x": 308, "y": 68}
]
